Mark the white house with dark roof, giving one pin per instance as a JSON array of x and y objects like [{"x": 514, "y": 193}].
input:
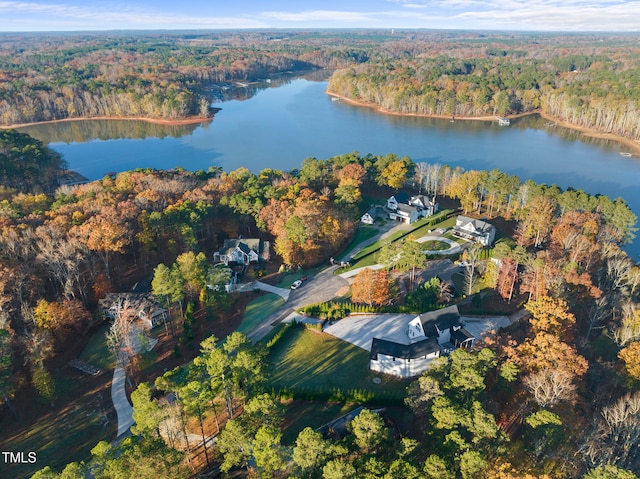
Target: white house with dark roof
[
  {"x": 408, "y": 210},
  {"x": 402, "y": 360},
  {"x": 426, "y": 206},
  {"x": 405, "y": 213},
  {"x": 428, "y": 336},
  {"x": 398, "y": 198},
  {"x": 370, "y": 216},
  {"x": 242, "y": 251},
  {"x": 474, "y": 230}
]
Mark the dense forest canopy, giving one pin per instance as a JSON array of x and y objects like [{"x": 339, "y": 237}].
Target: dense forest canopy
[
  {"x": 26, "y": 165},
  {"x": 597, "y": 89}
]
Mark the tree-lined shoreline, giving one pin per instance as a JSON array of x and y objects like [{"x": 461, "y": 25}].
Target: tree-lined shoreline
[{"x": 590, "y": 132}]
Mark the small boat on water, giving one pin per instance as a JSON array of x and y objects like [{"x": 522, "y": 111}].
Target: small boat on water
[{"x": 626, "y": 154}]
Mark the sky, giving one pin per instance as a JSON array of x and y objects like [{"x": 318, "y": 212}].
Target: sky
[{"x": 527, "y": 15}]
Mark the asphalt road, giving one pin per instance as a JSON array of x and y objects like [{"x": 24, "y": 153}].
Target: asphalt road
[{"x": 317, "y": 289}]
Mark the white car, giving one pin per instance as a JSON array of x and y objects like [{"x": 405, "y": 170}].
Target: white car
[{"x": 296, "y": 284}]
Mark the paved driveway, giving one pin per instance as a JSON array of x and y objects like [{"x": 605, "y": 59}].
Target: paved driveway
[
  {"x": 453, "y": 246},
  {"x": 359, "y": 330},
  {"x": 317, "y": 289}
]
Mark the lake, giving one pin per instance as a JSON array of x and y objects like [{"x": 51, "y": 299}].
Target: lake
[{"x": 278, "y": 126}]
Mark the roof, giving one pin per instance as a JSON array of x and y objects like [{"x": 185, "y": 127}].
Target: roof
[
  {"x": 404, "y": 351},
  {"x": 461, "y": 335},
  {"x": 442, "y": 319},
  {"x": 408, "y": 209},
  {"x": 245, "y": 245},
  {"x": 479, "y": 225},
  {"x": 422, "y": 199},
  {"x": 373, "y": 212},
  {"x": 401, "y": 197}
]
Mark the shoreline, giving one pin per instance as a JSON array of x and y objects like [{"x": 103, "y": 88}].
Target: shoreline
[
  {"x": 589, "y": 132},
  {"x": 156, "y": 121}
]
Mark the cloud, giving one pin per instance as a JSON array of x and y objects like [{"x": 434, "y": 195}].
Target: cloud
[
  {"x": 318, "y": 16},
  {"x": 54, "y": 16},
  {"x": 566, "y": 15},
  {"x": 540, "y": 15}
]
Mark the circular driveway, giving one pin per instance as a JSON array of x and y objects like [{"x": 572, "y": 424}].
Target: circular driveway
[{"x": 453, "y": 246}]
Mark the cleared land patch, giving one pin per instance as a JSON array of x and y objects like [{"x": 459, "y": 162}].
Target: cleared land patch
[{"x": 314, "y": 365}]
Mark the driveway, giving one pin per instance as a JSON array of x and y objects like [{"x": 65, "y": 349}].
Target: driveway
[
  {"x": 282, "y": 292},
  {"x": 360, "y": 330},
  {"x": 121, "y": 403},
  {"x": 320, "y": 287},
  {"x": 453, "y": 246}
]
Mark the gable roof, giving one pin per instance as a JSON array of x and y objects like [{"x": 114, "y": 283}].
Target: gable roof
[
  {"x": 408, "y": 209},
  {"x": 405, "y": 351},
  {"x": 422, "y": 199},
  {"x": 401, "y": 197},
  {"x": 373, "y": 212},
  {"x": 479, "y": 226},
  {"x": 439, "y": 320},
  {"x": 461, "y": 335},
  {"x": 245, "y": 245}
]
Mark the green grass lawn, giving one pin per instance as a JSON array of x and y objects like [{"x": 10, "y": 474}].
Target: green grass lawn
[
  {"x": 363, "y": 233},
  {"x": 313, "y": 414},
  {"x": 96, "y": 351},
  {"x": 435, "y": 245},
  {"x": 258, "y": 309},
  {"x": 308, "y": 362},
  {"x": 288, "y": 279}
]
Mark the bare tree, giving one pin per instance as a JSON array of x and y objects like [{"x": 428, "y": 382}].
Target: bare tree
[
  {"x": 471, "y": 256},
  {"x": 549, "y": 386},
  {"x": 615, "y": 437},
  {"x": 629, "y": 329}
]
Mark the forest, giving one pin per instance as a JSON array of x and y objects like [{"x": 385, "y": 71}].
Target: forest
[
  {"x": 147, "y": 76},
  {"x": 594, "y": 86},
  {"x": 556, "y": 396},
  {"x": 585, "y": 80}
]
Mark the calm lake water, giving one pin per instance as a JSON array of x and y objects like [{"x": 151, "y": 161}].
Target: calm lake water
[{"x": 280, "y": 126}]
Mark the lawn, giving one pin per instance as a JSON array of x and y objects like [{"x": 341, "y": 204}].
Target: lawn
[
  {"x": 288, "y": 279},
  {"x": 258, "y": 309},
  {"x": 96, "y": 351},
  {"x": 309, "y": 363},
  {"x": 363, "y": 233},
  {"x": 435, "y": 245},
  {"x": 313, "y": 414}
]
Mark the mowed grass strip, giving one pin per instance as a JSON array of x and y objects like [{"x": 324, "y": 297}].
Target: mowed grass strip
[
  {"x": 258, "y": 309},
  {"x": 96, "y": 352},
  {"x": 312, "y": 361}
]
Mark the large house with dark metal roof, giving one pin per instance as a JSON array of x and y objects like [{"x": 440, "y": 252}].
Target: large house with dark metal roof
[{"x": 429, "y": 335}]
